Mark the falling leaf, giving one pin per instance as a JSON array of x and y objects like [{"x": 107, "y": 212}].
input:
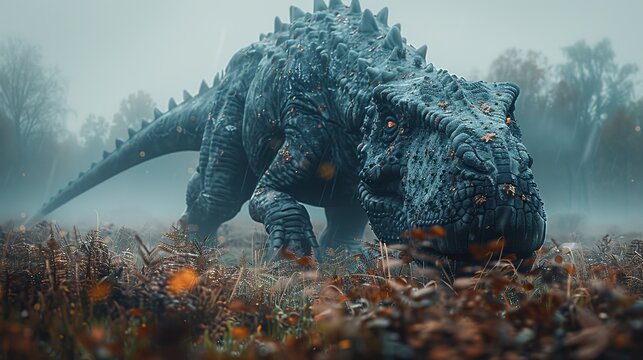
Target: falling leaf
[
  {"x": 100, "y": 291},
  {"x": 344, "y": 344},
  {"x": 97, "y": 333},
  {"x": 488, "y": 137},
  {"x": 240, "y": 332},
  {"x": 326, "y": 170},
  {"x": 181, "y": 281}
]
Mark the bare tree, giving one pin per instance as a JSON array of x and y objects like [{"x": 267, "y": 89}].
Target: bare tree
[
  {"x": 31, "y": 96},
  {"x": 7, "y": 148},
  {"x": 531, "y": 71},
  {"x": 94, "y": 131},
  {"x": 592, "y": 88},
  {"x": 136, "y": 107}
]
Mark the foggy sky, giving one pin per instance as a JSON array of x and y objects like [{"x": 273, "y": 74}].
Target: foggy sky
[{"x": 106, "y": 50}]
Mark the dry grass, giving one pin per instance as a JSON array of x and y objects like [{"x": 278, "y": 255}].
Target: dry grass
[{"x": 108, "y": 294}]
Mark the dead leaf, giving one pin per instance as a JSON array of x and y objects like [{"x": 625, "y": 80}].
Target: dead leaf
[
  {"x": 100, "y": 291},
  {"x": 240, "y": 332},
  {"x": 181, "y": 281}
]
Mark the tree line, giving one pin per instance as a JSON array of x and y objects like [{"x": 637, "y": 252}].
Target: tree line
[
  {"x": 581, "y": 121},
  {"x": 38, "y": 153}
]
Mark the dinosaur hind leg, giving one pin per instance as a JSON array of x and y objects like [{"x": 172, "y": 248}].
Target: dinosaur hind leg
[
  {"x": 344, "y": 227},
  {"x": 223, "y": 181}
]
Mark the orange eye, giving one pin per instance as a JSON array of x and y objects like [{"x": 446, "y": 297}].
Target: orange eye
[{"x": 391, "y": 124}]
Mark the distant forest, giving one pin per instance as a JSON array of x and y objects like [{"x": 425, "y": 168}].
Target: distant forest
[{"x": 580, "y": 119}]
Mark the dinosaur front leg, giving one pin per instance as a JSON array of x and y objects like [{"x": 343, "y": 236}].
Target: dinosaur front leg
[
  {"x": 285, "y": 219},
  {"x": 344, "y": 227}
]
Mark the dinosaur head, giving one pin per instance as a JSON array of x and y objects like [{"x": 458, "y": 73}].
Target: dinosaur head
[{"x": 439, "y": 150}]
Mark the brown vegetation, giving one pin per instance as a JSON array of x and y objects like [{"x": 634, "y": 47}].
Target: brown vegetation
[{"x": 64, "y": 295}]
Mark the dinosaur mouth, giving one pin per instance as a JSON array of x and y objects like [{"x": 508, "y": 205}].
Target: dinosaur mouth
[
  {"x": 521, "y": 232},
  {"x": 391, "y": 189},
  {"x": 381, "y": 195},
  {"x": 379, "y": 202},
  {"x": 381, "y": 189}
]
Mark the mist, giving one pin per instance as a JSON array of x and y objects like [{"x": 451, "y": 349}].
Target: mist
[{"x": 102, "y": 53}]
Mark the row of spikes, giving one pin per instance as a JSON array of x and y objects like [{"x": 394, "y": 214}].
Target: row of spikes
[
  {"x": 187, "y": 96},
  {"x": 320, "y": 5},
  {"x": 203, "y": 88},
  {"x": 368, "y": 23}
]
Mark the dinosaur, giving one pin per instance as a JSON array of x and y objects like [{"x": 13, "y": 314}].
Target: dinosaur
[{"x": 336, "y": 110}]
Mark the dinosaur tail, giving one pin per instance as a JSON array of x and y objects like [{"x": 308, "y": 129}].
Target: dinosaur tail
[{"x": 179, "y": 129}]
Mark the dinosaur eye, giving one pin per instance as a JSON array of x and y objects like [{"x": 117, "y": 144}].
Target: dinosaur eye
[{"x": 391, "y": 122}]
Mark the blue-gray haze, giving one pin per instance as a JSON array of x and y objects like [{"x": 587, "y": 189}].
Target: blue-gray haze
[{"x": 106, "y": 50}]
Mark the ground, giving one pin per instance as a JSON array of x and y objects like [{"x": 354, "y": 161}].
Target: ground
[{"x": 110, "y": 294}]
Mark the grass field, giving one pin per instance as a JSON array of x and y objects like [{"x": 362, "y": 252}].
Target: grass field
[{"x": 109, "y": 294}]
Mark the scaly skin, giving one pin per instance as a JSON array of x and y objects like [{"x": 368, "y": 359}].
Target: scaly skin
[{"x": 336, "y": 110}]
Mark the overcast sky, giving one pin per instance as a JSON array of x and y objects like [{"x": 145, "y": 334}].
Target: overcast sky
[{"x": 108, "y": 49}]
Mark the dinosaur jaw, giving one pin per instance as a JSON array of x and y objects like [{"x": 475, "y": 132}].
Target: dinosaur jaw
[
  {"x": 484, "y": 209},
  {"x": 478, "y": 211},
  {"x": 384, "y": 210},
  {"x": 518, "y": 232}
]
